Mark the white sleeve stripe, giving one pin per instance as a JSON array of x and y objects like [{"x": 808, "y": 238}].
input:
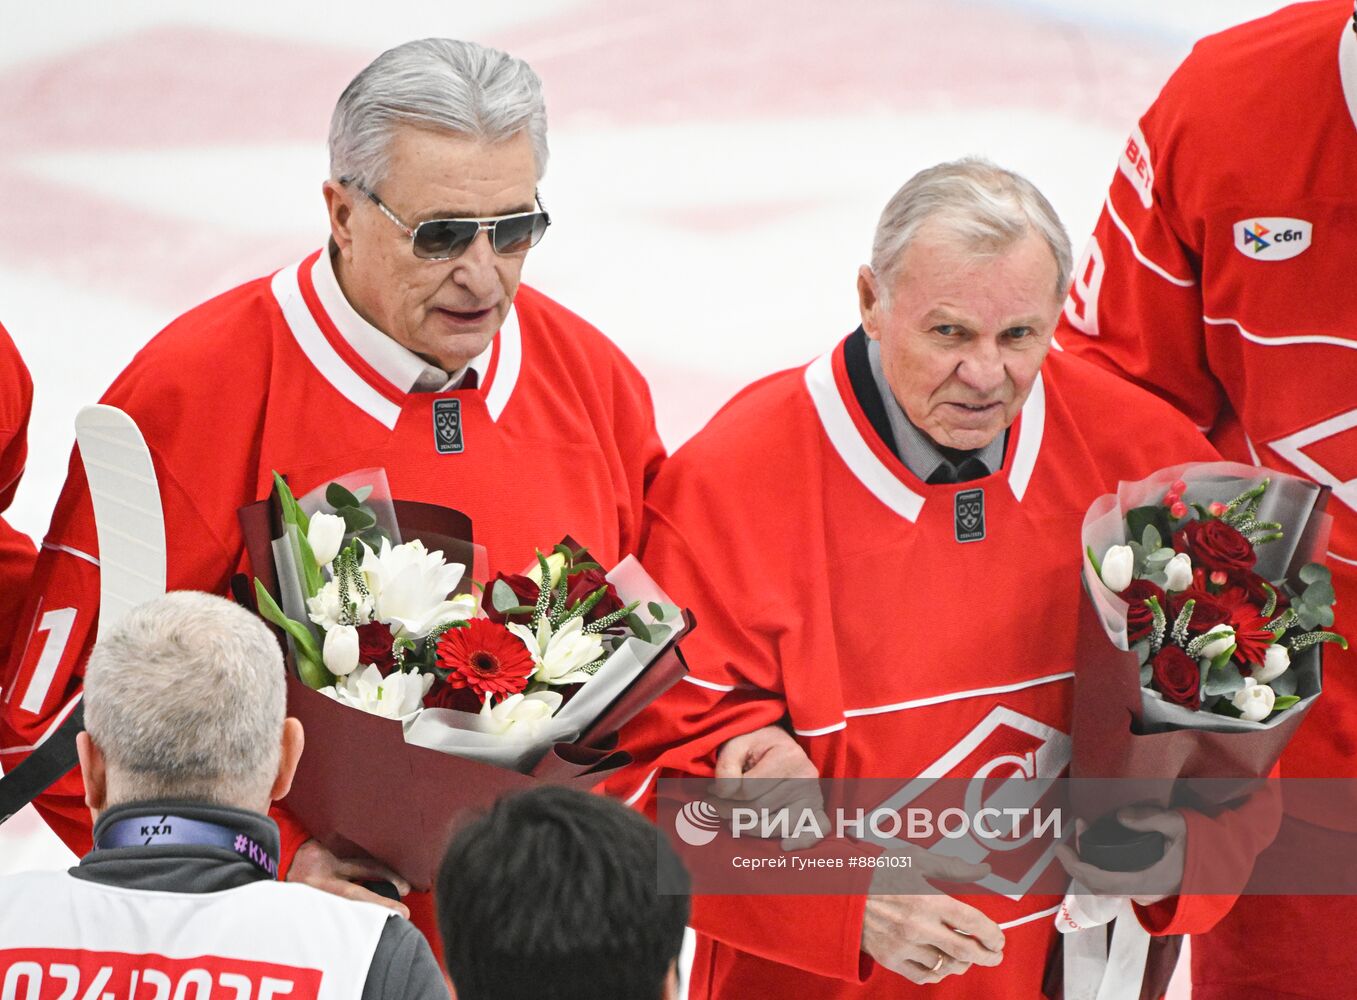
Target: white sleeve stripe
[
  {"x": 1029, "y": 918},
  {"x": 937, "y": 700},
  {"x": 713, "y": 686},
  {"x": 1135, "y": 249},
  {"x": 821, "y": 732},
  {"x": 1343, "y": 559},
  {"x": 1257, "y": 338},
  {"x": 54, "y": 547},
  {"x": 636, "y": 795}
]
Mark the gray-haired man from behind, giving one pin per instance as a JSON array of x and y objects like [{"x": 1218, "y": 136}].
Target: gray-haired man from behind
[{"x": 185, "y": 748}]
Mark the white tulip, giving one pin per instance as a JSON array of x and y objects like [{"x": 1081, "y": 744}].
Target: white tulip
[
  {"x": 326, "y": 535},
  {"x": 1178, "y": 572},
  {"x": 555, "y": 563},
  {"x": 1254, "y": 700},
  {"x": 394, "y": 697},
  {"x": 1213, "y": 649},
  {"x": 1118, "y": 564},
  {"x": 341, "y": 650},
  {"x": 521, "y": 715},
  {"x": 326, "y": 611},
  {"x": 560, "y": 656},
  {"x": 410, "y": 587},
  {"x": 1277, "y": 659}
]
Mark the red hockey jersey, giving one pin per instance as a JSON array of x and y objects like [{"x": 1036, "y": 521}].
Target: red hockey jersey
[
  {"x": 16, "y": 550},
  {"x": 831, "y": 587},
  {"x": 558, "y": 438},
  {"x": 1219, "y": 276}
]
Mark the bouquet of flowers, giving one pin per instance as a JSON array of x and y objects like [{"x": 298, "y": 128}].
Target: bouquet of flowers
[
  {"x": 1198, "y": 656},
  {"x": 1209, "y": 632},
  {"x": 528, "y": 681}
]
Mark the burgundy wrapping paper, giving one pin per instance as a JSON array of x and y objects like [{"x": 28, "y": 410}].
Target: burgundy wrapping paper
[
  {"x": 361, "y": 788},
  {"x": 1109, "y": 742}
]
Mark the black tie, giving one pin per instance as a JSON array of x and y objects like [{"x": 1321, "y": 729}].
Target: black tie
[{"x": 968, "y": 469}]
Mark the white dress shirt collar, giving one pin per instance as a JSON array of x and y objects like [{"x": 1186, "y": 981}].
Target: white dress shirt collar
[{"x": 399, "y": 365}]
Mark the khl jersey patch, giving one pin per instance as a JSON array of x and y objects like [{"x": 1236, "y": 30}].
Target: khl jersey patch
[
  {"x": 970, "y": 515},
  {"x": 1272, "y": 238},
  {"x": 447, "y": 426}
]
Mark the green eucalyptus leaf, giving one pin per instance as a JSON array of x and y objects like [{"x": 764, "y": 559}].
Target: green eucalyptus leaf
[
  {"x": 1139, "y": 518},
  {"x": 638, "y": 627},
  {"x": 1151, "y": 539},
  {"x": 1142, "y": 651},
  {"x": 1320, "y": 593},
  {"x": 1146, "y": 674},
  {"x": 1315, "y": 572},
  {"x": 1284, "y": 684},
  {"x": 357, "y": 519},
  {"x": 1224, "y": 680},
  {"x": 362, "y": 493},
  {"x": 502, "y": 596},
  {"x": 338, "y": 497}
]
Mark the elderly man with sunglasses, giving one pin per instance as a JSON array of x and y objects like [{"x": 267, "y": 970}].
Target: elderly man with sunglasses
[{"x": 409, "y": 345}]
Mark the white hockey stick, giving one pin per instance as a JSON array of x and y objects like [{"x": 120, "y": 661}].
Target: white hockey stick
[
  {"x": 127, "y": 513},
  {"x": 131, "y": 526}
]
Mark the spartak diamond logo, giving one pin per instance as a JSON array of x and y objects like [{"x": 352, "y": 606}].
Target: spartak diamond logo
[{"x": 1012, "y": 761}]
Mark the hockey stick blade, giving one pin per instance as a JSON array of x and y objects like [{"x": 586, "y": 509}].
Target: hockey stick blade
[{"x": 128, "y": 517}]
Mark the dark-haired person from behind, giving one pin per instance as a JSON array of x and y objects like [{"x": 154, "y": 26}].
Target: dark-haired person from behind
[{"x": 553, "y": 895}]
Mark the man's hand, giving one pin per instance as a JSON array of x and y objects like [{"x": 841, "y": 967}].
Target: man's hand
[
  {"x": 1162, "y": 879},
  {"x": 768, "y": 770},
  {"x": 927, "y": 938},
  {"x": 315, "y": 866}
]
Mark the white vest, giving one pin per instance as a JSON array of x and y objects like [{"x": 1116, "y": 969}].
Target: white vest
[{"x": 63, "y": 938}]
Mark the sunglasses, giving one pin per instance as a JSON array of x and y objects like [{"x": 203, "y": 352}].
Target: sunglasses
[{"x": 445, "y": 239}]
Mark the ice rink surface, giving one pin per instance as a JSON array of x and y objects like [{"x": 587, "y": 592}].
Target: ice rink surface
[{"x": 716, "y": 167}]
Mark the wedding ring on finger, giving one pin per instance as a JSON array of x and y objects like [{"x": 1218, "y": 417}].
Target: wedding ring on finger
[{"x": 942, "y": 957}]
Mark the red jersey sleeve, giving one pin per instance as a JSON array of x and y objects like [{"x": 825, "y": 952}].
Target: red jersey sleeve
[
  {"x": 734, "y": 688},
  {"x": 16, "y": 549},
  {"x": 1135, "y": 305}
]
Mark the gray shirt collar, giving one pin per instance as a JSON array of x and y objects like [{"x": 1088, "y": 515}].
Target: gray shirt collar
[{"x": 915, "y": 448}]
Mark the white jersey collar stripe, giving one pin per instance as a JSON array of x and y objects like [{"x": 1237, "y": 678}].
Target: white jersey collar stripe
[
  {"x": 510, "y": 364},
  {"x": 877, "y": 477},
  {"x": 1347, "y": 67},
  {"x": 847, "y": 440},
  {"x": 1029, "y": 433},
  {"x": 323, "y": 356}
]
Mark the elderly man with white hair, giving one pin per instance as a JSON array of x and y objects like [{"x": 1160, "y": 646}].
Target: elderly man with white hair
[
  {"x": 903, "y": 600},
  {"x": 185, "y": 748},
  {"x": 407, "y": 344}
]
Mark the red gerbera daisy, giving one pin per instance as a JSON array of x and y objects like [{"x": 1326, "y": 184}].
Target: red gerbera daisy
[
  {"x": 1251, "y": 635},
  {"x": 485, "y": 657}
]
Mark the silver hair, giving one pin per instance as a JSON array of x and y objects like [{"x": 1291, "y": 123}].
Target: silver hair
[
  {"x": 434, "y": 83},
  {"x": 981, "y": 206},
  {"x": 186, "y": 699}
]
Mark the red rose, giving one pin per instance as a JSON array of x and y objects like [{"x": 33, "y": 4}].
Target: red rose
[
  {"x": 584, "y": 583},
  {"x": 374, "y": 646},
  {"x": 485, "y": 657},
  {"x": 444, "y": 695},
  {"x": 524, "y": 589},
  {"x": 1177, "y": 677},
  {"x": 1207, "y": 613},
  {"x": 1139, "y": 617},
  {"x": 1213, "y": 544}
]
